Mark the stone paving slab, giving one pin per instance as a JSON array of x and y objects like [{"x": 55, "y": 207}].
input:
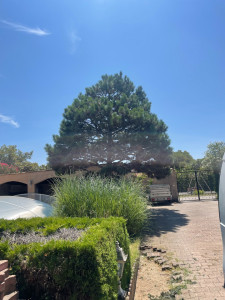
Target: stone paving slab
[{"x": 190, "y": 231}]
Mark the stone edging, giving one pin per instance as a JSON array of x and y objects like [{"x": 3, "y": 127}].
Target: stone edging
[
  {"x": 7, "y": 283},
  {"x": 178, "y": 274},
  {"x": 133, "y": 281}
]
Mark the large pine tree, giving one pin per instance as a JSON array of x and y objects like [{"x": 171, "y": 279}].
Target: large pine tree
[{"x": 110, "y": 124}]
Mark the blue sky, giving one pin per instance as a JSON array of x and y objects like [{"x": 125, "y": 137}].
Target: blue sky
[{"x": 51, "y": 50}]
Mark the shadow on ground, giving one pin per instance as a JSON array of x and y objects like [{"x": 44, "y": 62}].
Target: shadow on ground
[{"x": 162, "y": 220}]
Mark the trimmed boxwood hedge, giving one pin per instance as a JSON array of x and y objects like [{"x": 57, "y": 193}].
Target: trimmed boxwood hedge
[{"x": 59, "y": 269}]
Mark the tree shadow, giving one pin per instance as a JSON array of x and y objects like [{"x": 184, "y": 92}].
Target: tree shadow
[{"x": 162, "y": 220}]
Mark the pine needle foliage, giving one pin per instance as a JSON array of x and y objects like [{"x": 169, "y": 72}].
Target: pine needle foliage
[{"x": 111, "y": 123}]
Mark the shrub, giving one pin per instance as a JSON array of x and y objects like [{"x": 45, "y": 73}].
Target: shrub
[
  {"x": 94, "y": 196},
  {"x": 7, "y": 169},
  {"x": 81, "y": 269},
  {"x": 195, "y": 192}
]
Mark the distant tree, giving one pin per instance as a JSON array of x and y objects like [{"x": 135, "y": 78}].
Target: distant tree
[
  {"x": 110, "y": 124},
  {"x": 212, "y": 161},
  {"x": 209, "y": 167},
  {"x": 7, "y": 169},
  {"x": 11, "y": 155},
  {"x": 13, "y": 160},
  {"x": 197, "y": 164},
  {"x": 213, "y": 156},
  {"x": 182, "y": 159},
  {"x": 31, "y": 167}
]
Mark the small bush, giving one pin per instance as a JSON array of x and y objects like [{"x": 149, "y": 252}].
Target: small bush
[
  {"x": 195, "y": 192},
  {"x": 101, "y": 197},
  {"x": 81, "y": 269}
]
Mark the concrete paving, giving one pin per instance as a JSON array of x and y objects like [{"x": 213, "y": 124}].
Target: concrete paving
[{"x": 191, "y": 232}]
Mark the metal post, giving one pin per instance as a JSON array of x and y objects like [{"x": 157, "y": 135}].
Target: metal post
[{"x": 196, "y": 180}]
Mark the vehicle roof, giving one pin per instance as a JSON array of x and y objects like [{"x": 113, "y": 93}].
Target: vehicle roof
[{"x": 13, "y": 207}]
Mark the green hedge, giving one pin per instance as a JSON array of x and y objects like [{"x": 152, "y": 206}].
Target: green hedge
[{"x": 81, "y": 269}]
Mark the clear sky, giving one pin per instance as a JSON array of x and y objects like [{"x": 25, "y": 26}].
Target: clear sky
[{"x": 50, "y": 50}]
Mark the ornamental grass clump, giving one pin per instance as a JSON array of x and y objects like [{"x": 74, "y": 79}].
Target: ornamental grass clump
[{"x": 94, "y": 197}]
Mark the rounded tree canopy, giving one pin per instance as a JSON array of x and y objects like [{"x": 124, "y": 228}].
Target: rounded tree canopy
[{"x": 111, "y": 123}]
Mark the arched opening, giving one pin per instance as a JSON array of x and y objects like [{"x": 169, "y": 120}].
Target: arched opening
[
  {"x": 45, "y": 187},
  {"x": 13, "y": 188}
]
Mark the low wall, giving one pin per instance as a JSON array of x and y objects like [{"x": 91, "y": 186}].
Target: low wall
[
  {"x": 7, "y": 283},
  {"x": 30, "y": 179}
]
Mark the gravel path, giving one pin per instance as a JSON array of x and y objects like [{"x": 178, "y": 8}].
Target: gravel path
[{"x": 69, "y": 234}]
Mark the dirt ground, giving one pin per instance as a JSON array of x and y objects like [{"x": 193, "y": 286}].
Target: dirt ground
[{"x": 151, "y": 278}]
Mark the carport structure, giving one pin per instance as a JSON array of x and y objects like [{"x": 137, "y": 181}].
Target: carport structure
[{"x": 29, "y": 182}]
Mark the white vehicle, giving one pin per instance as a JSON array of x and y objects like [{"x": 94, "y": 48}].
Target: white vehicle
[
  {"x": 222, "y": 209},
  {"x": 160, "y": 193},
  {"x": 13, "y": 207}
]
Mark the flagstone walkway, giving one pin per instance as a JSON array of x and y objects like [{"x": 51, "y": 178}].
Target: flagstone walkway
[{"x": 190, "y": 232}]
